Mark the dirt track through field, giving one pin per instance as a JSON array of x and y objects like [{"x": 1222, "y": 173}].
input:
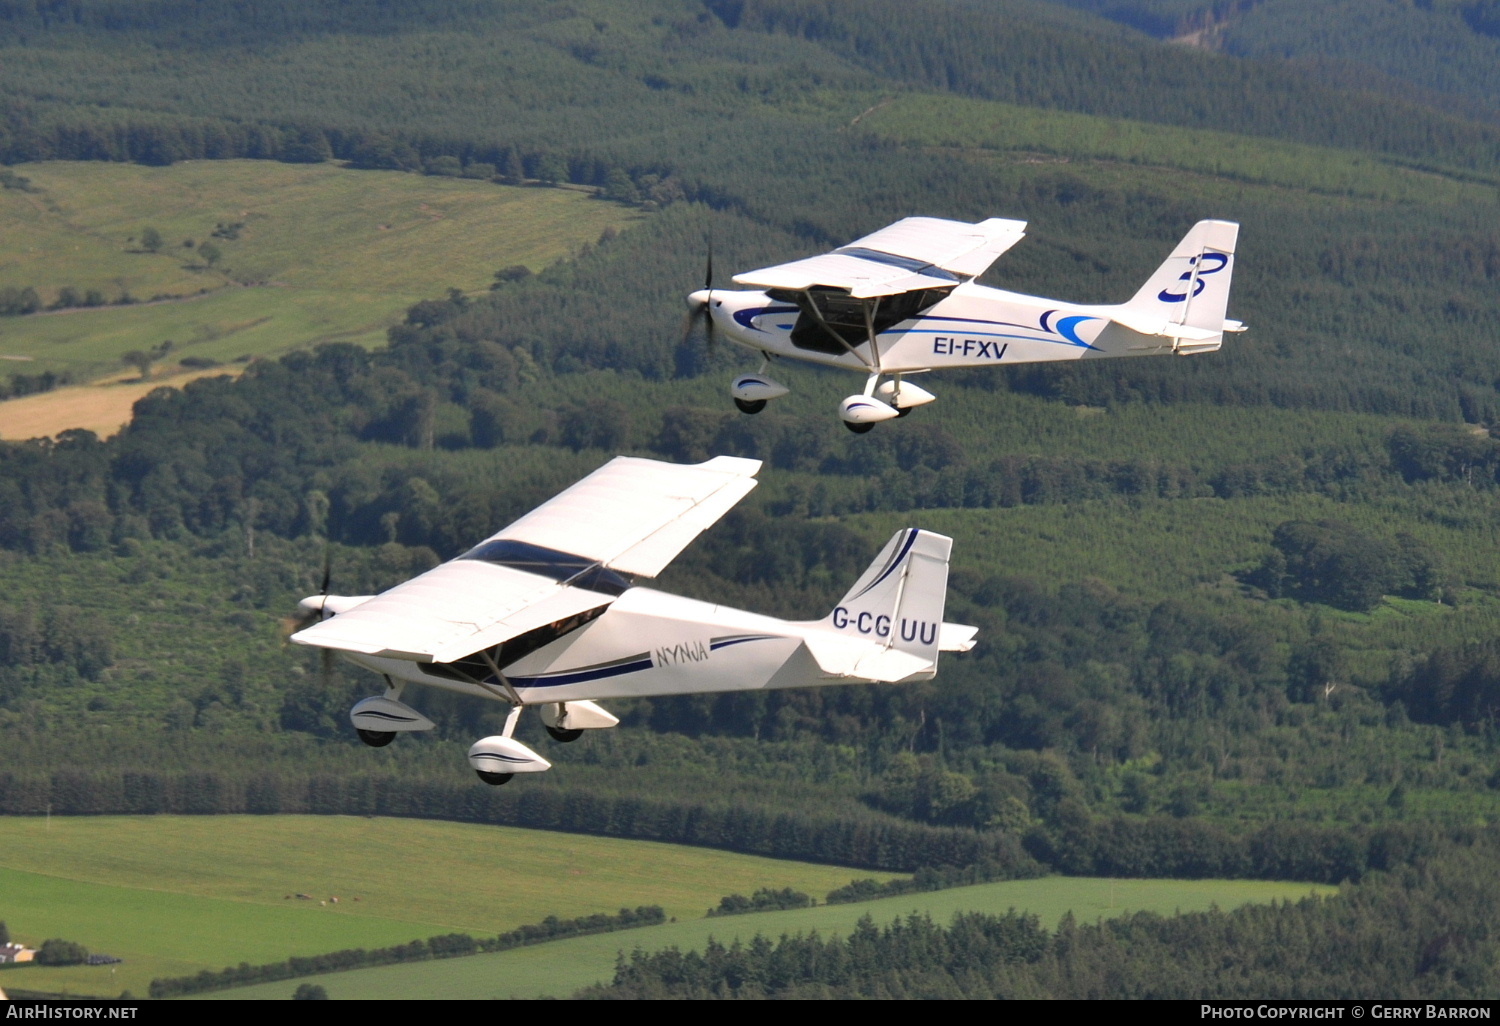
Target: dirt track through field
[{"x": 103, "y": 407}]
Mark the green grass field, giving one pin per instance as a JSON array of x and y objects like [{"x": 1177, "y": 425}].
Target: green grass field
[
  {"x": 175, "y": 895},
  {"x": 562, "y": 967},
  {"x": 964, "y": 123},
  {"x": 323, "y": 254}
]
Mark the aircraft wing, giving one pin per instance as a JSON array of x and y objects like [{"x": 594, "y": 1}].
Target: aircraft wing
[
  {"x": 913, "y": 253},
  {"x": 634, "y": 515},
  {"x": 631, "y": 516}
]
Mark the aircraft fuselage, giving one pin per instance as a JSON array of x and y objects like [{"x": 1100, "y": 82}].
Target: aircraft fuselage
[
  {"x": 973, "y": 326},
  {"x": 651, "y": 643}
]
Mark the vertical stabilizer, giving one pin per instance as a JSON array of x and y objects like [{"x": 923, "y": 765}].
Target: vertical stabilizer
[
  {"x": 898, "y": 602},
  {"x": 1192, "y": 287}
]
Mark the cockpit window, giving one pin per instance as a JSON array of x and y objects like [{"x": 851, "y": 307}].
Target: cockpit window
[
  {"x": 563, "y": 567},
  {"x": 844, "y": 316},
  {"x": 476, "y": 667}
]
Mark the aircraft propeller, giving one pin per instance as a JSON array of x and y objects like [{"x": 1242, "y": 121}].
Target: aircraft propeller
[
  {"x": 698, "y": 303},
  {"x": 310, "y": 610}
]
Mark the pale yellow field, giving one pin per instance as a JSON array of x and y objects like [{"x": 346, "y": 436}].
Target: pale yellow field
[{"x": 103, "y": 407}]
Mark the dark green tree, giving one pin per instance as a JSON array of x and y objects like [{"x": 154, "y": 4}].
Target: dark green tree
[
  {"x": 143, "y": 359},
  {"x": 506, "y": 275},
  {"x": 61, "y": 952}
]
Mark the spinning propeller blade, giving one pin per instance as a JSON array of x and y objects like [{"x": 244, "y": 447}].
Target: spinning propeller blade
[
  {"x": 310, "y": 613},
  {"x": 708, "y": 286},
  {"x": 698, "y": 303}
]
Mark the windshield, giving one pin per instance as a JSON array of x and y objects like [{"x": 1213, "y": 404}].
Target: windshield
[{"x": 563, "y": 567}]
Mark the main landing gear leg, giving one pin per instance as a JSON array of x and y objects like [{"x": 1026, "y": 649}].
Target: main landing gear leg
[
  {"x": 901, "y": 411},
  {"x": 563, "y": 734}
]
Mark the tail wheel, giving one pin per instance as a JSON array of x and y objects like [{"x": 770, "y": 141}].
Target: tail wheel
[
  {"x": 494, "y": 779},
  {"x": 751, "y": 406},
  {"x": 564, "y": 735},
  {"x": 376, "y": 738}
]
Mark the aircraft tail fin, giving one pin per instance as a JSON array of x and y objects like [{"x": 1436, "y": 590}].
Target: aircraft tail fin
[
  {"x": 897, "y": 604},
  {"x": 1188, "y": 296}
]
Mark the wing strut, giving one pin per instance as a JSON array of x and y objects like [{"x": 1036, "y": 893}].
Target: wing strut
[
  {"x": 505, "y": 692},
  {"x": 870, "y": 309},
  {"x": 874, "y": 364},
  {"x": 510, "y": 692}
]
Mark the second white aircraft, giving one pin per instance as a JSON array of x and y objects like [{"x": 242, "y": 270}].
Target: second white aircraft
[
  {"x": 546, "y": 613},
  {"x": 904, "y": 301}
]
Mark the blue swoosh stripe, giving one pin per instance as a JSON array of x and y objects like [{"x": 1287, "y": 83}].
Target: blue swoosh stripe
[
  {"x": 718, "y": 643},
  {"x": 744, "y": 317},
  {"x": 632, "y": 665},
  {"x": 552, "y": 680},
  {"x": 1068, "y": 329},
  {"x": 1065, "y": 327},
  {"x": 997, "y": 334},
  {"x": 982, "y": 320},
  {"x": 911, "y": 537}
]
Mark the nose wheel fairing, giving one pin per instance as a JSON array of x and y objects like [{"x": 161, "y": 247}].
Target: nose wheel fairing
[{"x": 751, "y": 392}]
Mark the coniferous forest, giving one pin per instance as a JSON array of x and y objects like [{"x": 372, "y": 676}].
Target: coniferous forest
[{"x": 1236, "y": 612}]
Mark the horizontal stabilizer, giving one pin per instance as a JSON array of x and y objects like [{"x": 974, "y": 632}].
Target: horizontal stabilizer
[
  {"x": 1148, "y": 322},
  {"x": 856, "y": 659},
  {"x": 956, "y": 637}
]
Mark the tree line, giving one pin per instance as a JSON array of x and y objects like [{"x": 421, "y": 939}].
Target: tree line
[
  {"x": 1079, "y": 844},
  {"x": 1417, "y": 932},
  {"x": 452, "y": 945},
  {"x": 872, "y": 841}
]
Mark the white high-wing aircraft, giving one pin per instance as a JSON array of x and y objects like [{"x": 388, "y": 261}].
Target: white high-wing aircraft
[
  {"x": 545, "y": 613},
  {"x": 904, "y": 301}
]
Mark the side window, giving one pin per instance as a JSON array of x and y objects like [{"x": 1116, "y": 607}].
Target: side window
[
  {"x": 839, "y": 314},
  {"x": 824, "y": 315},
  {"x": 474, "y": 667}
]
